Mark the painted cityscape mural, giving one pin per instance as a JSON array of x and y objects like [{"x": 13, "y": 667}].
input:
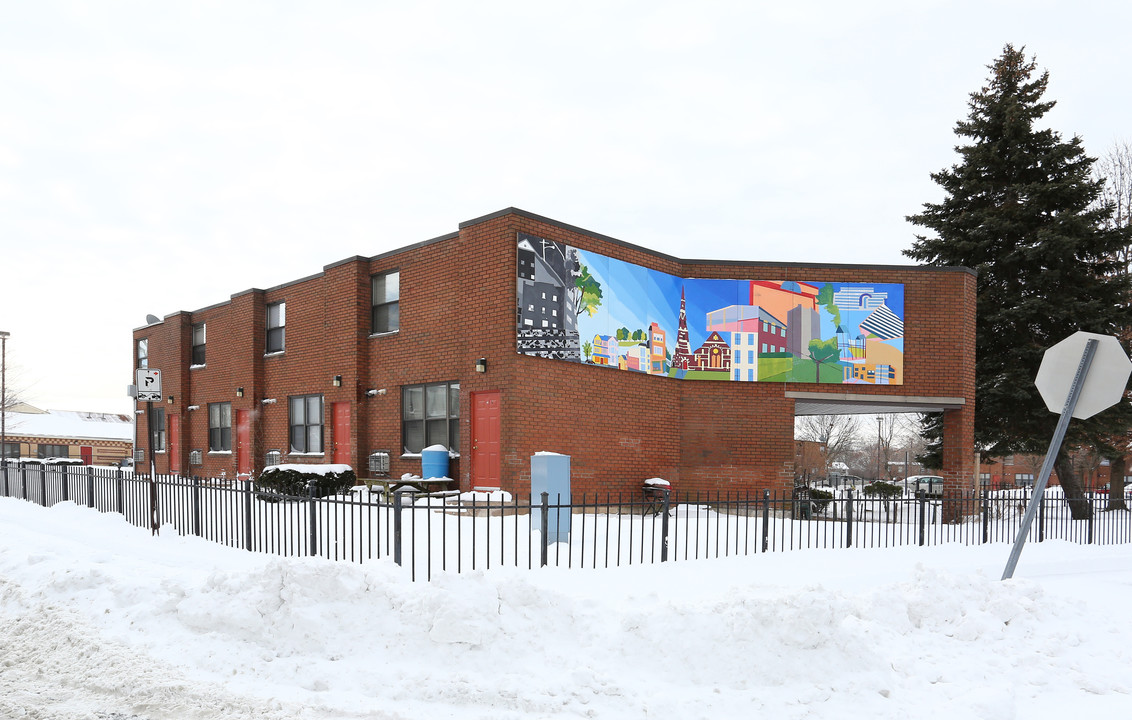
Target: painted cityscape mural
[{"x": 583, "y": 307}]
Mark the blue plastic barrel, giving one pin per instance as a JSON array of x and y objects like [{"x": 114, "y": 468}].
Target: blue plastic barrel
[{"x": 434, "y": 462}]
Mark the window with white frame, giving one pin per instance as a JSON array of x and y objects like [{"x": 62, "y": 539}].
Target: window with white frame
[
  {"x": 306, "y": 424},
  {"x": 430, "y": 415},
  {"x": 220, "y": 427},
  {"x": 386, "y": 314},
  {"x": 198, "y": 345},
  {"x": 158, "y": 421},
  {"x": 276, "y": 327}
]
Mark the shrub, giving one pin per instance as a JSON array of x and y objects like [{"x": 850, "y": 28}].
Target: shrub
[
  {"x": 884, "y": 489},
  {"x": 283, "y": 483},
  {"x": 820, "y": 499}
]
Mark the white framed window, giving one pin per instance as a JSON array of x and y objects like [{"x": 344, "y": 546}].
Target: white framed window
[
  {"x": 386, "y": 312},
  {"x": 220, "y": 427},
  {"x": 430, "y": 415},
  {"x": 306, "y": 424},
  {"x": 198, "y": 345},
  {"x": 276, "y": 327}
]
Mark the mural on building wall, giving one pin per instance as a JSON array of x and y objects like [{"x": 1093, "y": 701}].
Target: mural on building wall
[{"x": 584, "y": 307}]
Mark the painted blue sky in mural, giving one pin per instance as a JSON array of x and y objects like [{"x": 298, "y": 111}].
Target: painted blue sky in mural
[
  {"x": 746, "y": 330},
  {"x": 634, "y": 296}
]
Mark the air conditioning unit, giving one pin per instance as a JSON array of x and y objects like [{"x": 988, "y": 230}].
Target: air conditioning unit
[
  {"x": 274, "y": 457},
  {"x": 139, "y": 456},
  {"x": 195, "y": 457},
  {"x": 379, "y": 462}
]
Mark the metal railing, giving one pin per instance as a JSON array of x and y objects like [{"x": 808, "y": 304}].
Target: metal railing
[{"x": 430, "y": 533}]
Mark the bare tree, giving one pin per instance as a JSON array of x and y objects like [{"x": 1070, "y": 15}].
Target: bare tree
[
  {"x": 1114, "y": 169},
  {"x": 838, "y": 433}
]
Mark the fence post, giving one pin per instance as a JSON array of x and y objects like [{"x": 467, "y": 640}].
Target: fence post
[
  {"x": 89, "y": 486},
  {"x": 66, "y": 473},
  {"x": 397, "y": 527},
  {"x": 1042, "y": 517},
  {"x": 544, "y": 528},
  {"x": 922, "y": 501},
  {"x": 1092, "y": 514},
  {"x": 312, "y": 519},
  {"x": 4, "y": 471},
  {"x": 23, "y": 482},
  {"x": 663, "y": 528},
  {"x": 986, "y": 516},
  {"x": 849, "y": 518},
  {"x": 766, "y": 520},
  {"x": 121, "y": 493},
  {"x": 196, "y": 505},
  {"x": 43, "y": 484},
  {"x": 248, "y": 515}
]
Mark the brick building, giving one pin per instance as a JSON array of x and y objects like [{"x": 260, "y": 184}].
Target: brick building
[
  {"x": 90, "y": 438},
  {"x": 484, "y": 341}
]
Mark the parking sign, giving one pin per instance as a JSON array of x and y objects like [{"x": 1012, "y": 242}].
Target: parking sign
[{"x": 149, "y": 385}]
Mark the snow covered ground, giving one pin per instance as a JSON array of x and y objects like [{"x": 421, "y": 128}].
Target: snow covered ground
[{"x": 99, "y": 619}]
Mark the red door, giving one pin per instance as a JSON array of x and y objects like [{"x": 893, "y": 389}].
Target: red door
[
  {"x": 243, "y": 444},
  {"x": 175, "y": 444},
  {"x": 86, "y": 452},
  {"x": 485, "y": 439},
  {"x": 341, "y": 418}
]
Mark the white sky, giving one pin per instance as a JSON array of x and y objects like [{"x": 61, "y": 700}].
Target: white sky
[{"x": 156, "y": 158}]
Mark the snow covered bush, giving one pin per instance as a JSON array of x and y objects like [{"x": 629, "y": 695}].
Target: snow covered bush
[
  {"x": 280, "y": 482},
  {"x": 819, "y": 500},
  {"x": 884, "y": 489}
]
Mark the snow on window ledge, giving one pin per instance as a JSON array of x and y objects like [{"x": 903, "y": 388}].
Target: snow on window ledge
[{"x": 196, "y": 367}]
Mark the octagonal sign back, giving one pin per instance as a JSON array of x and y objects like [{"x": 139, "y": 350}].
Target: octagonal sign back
[{"x": 1104, "y": 383}]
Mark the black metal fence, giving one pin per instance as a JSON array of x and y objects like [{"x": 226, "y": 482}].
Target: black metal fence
[{"x": 429, "y": 533}]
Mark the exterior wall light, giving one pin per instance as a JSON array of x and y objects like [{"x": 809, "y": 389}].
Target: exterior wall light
[
  {"x": 169, "y": 399},
  {"x": 481, "y": 365},
  {"x": 337, "y": 381},
  {"x": 239, "y": 392}
]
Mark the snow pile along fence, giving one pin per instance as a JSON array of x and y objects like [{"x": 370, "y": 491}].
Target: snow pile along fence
[{"x": 450, "y": 531}]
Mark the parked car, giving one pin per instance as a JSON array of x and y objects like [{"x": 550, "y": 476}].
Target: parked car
[{"x": 929, "y": 485}]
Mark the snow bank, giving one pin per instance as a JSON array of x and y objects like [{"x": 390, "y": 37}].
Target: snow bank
[{"x": 105, "y": 618}]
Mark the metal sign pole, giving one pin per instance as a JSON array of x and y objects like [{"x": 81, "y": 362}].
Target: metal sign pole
[
  {"x": 1051, "y": 455},
  {"x": 152, "y": 469}
]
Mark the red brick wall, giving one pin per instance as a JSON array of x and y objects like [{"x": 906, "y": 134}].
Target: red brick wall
[{"x": 457, "y": 304}]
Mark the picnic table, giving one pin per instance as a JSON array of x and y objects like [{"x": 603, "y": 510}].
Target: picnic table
[{"x": 411, "y": 484}]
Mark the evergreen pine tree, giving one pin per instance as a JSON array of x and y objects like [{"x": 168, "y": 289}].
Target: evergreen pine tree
[{"x": 1021, "y": 209}]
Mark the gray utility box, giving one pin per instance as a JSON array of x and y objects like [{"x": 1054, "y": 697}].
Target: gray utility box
[{"x": 550, "y": 473}]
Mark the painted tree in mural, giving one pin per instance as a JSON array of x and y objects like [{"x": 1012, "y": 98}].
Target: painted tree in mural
[
  {"x": 1020, "y": 209},
  {"x": 823, "y": 352},
  {"x": 825, "y": 298},
  {"x": 586, "y": 292}
]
